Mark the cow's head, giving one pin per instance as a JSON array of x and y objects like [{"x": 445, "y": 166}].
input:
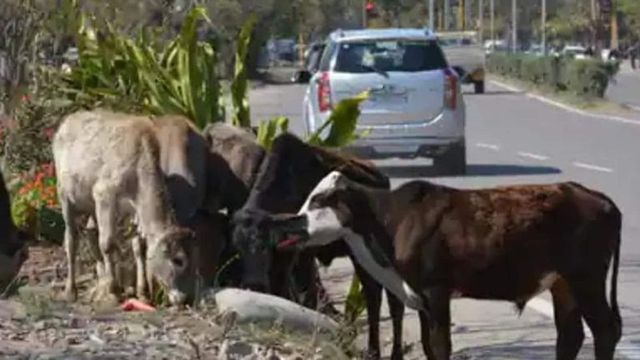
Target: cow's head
[
  {"x": 256, "y": 235},
  {"x": 288, "y": 173},
  {"x": 171, "y": 260}
]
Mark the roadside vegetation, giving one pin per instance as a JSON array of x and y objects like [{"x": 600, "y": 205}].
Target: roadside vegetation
[
  {"x": 133, "y": 70},
  {"x": 587, "y": 78}
]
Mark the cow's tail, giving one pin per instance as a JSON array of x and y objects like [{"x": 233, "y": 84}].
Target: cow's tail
[{"x": 613, "y": 296}]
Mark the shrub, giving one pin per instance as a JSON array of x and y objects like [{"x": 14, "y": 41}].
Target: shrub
[
  {"x": 35, "y": 207},
  {"x": 583, "y": 77}
]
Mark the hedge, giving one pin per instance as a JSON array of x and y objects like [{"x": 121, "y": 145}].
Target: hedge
[{"x": 584, "y": 77}]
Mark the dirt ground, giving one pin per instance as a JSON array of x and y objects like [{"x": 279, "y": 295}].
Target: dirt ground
[{"x": 36, "y": 323}]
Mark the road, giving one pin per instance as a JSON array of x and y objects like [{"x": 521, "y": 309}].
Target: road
[
  {"x": 513, "y": 139},
  {"x": 626, "y": 89}
]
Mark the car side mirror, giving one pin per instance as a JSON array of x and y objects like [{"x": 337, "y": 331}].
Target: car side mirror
[{"x": 301, "y": 77}]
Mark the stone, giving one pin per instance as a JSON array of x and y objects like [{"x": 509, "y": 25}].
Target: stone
[{"x": 253, "y": 307}]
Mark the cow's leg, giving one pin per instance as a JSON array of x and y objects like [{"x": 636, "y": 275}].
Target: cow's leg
[
  {"x": 590, "y": 293},
  {"x": 568, "y": 322},
  {"x": 139, "y": 253},
  {"x": 436, "y": 328},
  {"x": 71, "y": 233},
  {"x": 396, "y": 309},
  {"x": 280, "y": 275},
  {"x": 373, "y": 295},
  {"x": 307, "y": 280},
  {"x": 106, "y": 207}
]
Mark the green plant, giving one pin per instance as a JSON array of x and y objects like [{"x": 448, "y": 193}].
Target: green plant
[
  {"x": 341, "y": 123},
  {"x": 141, "y": 75},
  {"x": 355, "y": 303},
  {"x": 268, "y": 130},
  {"x": 587, "y": 78},
  {"x": 239, "y": 85}
]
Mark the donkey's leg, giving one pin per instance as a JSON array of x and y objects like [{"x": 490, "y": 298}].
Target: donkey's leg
[
  {"x": 139, "y": 254},
  {"x": 71, "y": 246},
  {"x": 105, "y": 198}
]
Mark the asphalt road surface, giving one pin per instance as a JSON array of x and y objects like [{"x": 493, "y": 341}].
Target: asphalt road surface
[{"x": 512, "y": 138}]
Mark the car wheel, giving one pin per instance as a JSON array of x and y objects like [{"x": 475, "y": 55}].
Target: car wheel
[
  {"x": 479, "y": 87},
  {"x": 453, "y": 162}
]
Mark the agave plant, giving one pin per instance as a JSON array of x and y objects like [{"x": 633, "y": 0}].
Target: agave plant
[
  {"x": 139, "y": 75},
  {"x": 239, "y": 85}
]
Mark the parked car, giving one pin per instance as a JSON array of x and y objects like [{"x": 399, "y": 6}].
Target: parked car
[
  {"x": 466, "y": 55},
  {"x": 574, "y": 51},
  {"x": 491, "y": 46},
  {"x": 415, "y": 106}
]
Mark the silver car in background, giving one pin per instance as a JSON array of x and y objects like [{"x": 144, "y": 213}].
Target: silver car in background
[{"x": 415, "y": 107}]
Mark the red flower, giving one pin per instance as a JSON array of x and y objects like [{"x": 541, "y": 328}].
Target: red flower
[
  {"x": 24, "y": 98},
  {"x": 48, "y": 133}
]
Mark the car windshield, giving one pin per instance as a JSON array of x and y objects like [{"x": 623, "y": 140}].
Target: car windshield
[{"x": 389, "y": 55}]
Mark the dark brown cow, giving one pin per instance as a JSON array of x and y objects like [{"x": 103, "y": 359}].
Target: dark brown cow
[
  {"x": 506, "y": 243},
  {"x": 13, "y": 250},
  {"x": 287, "y": 175}
]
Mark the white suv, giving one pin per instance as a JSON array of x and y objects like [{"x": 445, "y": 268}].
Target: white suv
[{"x": 415, "y": 108}]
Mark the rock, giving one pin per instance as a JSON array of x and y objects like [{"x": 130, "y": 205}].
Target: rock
[
  {"x": 253, "y": 307},
  {"x": 235, "y": 350}
]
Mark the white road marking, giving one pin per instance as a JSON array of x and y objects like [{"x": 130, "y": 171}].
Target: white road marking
[
  {"x": 568, "y": 108},
  {"x": 592, "y": 167},
  {"x": 533, "y": 156},
  {"x": 625, "y": 347},
  {"x": 633, "y": 107},
  {"x": 488, "y": 146}
]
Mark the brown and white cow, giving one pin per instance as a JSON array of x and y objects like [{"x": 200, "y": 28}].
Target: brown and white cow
[{"x": 505, "y": 243}]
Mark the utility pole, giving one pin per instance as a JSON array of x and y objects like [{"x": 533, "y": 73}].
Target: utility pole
[
  {"x": 481, "y": 20},
  {"x": 431, "y": 14},
  {"x": 467, "y": 15},
  {"x": 514, "y": 30},
  {"x": 544, "y": 27},
  {"x": 462, "y": 7},
  {"x": 364, "y": 14},
  {"x": 492, "y": 9},
  {"x": 595, "y": 24},
  {"x": 614, "y": 26},
  {"x": 446, "y": 15}
]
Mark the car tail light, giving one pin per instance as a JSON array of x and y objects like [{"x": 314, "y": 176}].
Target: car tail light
[
  {"x": 324, "y": 92},
  {"x": 450, "y": 89}
]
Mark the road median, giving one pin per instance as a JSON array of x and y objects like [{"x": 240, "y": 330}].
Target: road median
[{"x": 593, "y": 108}]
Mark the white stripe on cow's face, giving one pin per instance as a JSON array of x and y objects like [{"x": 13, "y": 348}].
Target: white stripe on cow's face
[
  {"x": 323, "y": 227},
  {"x": 327, "y": 183}
]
